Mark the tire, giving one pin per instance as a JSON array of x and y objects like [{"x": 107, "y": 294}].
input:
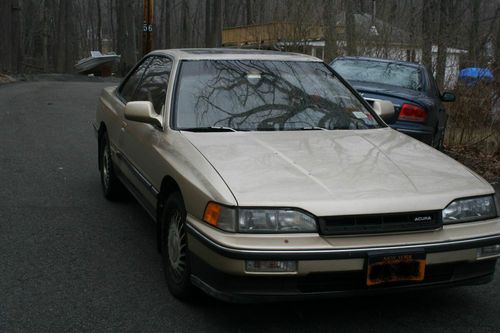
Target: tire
[
  {"x": 111, "y": 185},
  {"x": 440, "y": 143},
  {"x": 174, "y": 249}
]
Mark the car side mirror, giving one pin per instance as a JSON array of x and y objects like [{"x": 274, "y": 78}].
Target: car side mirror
[
  {"x": 385, "y": 109},
  {"x": 143, "y": 112},
  {"x": 448, "y": 97}
]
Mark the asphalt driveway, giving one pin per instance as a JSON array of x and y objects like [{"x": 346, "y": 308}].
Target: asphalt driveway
[{"x": 72, "y": 261}]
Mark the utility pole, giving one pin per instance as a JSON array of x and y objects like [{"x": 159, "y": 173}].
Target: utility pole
[{"x": 147, "y": 30}]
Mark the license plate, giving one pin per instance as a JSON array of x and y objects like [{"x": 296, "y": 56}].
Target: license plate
[{"x": 390, "y": 268}]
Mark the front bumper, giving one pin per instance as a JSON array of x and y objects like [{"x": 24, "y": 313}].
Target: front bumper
[{"x": 220, "y": 270}]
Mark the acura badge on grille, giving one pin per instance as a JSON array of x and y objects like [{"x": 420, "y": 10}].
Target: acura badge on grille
[{"x": 422, "y": 219}]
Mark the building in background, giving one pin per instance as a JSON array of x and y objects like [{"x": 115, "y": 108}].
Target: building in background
[{"x": 373, "y": 37}]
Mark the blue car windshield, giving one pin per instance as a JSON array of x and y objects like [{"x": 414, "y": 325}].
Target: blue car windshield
[
  {"x": 259, "y": 95},
  {"x": 393, "y": 74}
]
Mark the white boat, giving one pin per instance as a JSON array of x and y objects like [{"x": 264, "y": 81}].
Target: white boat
[{"x": 97, "y": 63}]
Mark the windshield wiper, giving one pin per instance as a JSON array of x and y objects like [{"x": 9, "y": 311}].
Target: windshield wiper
[
  {"x": 312, "y": 128},
  {"x": 209, "y": 129}
]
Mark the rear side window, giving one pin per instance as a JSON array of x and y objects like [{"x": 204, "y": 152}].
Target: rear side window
[
  {"x": 154, "y": 84},
  {"x": 128, "y": 89}
]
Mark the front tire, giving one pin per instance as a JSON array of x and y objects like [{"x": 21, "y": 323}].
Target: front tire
[
  {"x": 111, "y": 186},
  {"x": 174, "y": 248}
]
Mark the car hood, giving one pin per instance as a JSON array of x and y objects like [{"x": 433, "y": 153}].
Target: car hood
[{"x": 336, "y": 172}]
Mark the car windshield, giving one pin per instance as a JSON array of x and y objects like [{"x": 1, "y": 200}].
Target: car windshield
[
  {"x": 379, "y": 72},
  {"x": 265, "y": 96}
]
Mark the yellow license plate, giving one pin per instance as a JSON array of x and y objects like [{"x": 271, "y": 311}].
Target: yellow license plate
[{"x": 395, "y": 268}]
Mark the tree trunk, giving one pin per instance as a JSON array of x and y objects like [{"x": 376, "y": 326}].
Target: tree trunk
[
  {"x": 99, "y": 25},
  {"x": 5, "y": 36},
  {"x": 474, "y": 34},
  {"x": 61, "y": 37},
  {"x": 166, "y": 24},
  {"x": 165, "y": 21},
  {"x": 249, "y": 12},
  {"x": 45, "y": 36},
  {"x": 208, "y": 23},
  {"x": 67, "y": 43},
  {"x": 330, "y": 26},
  {"x": 16, "y": 34},
  {"x": 428, "y": 10},
  {"x": 442, "y": 43},
  {"x": 350, "y": 28},
  {"x": 217, "y": 23},
  {"x": 127, "y": 45},
  {"x": 71, "y": 45},
  {"x": 496, "y": 64},
  {"x": 112, "y": 23},
  {"x": 184, "y": 25}
]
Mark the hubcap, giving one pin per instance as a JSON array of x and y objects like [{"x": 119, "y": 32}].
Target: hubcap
[
  {"x": 176, "y": 246},
  {"x": 105, "y": 167}
]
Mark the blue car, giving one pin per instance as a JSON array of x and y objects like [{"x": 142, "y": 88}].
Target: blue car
[{"x": 418, "y": 104}]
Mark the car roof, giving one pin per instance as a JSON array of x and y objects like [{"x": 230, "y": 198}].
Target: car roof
[
  {"x": 234, "y": 54},
  {"x": 400, "y": 62}
]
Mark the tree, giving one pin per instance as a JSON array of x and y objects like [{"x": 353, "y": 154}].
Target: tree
[
  {"x": 444, "y": 14},
  {"x": 330, "y": 26},
  {"x": 214, "y": 13},
  {"x": 126, "y": 35},
  {"x": 249, "y": 12},
  {"x": 67, "y": 43},
  {"x": 165, "y": 40},
  {"x": 428, "y": 9},
  {"x": 99, "y": 25},
  {"x": 474, "y": 32},
  {"x": 10, "y": 36},
  {"x": 350, "y": 28}
]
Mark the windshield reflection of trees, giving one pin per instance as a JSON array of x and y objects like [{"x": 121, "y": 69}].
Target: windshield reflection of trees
[{"x": 275, "y": 102}]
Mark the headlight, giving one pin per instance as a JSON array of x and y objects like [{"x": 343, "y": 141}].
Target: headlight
[
  {"x": 274, "y": 221},
  {"x": 467, "y": 210},
  {"x": 250, "y": 220}
]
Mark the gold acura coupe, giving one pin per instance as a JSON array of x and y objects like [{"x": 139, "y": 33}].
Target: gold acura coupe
[{"x": 270, "y": 178}]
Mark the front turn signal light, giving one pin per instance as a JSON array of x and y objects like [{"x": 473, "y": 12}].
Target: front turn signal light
[
  {"x": 220, "y": 216},
  {"x": 212, "y": 213}
]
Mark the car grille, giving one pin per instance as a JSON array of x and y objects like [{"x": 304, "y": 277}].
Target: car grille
[{"x": 380, "y": 223}]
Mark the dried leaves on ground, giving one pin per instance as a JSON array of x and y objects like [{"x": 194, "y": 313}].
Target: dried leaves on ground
[{"x": 485, "y": 164}]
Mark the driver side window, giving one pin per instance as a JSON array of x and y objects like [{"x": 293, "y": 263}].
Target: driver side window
[
  {"x": 154, "y": 84},
  {"x": 128, "y": 89}
]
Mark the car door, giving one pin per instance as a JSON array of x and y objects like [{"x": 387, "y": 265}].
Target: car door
[
  {"x": 123, "y": 94},
  {"x": 138, "y": 139}
]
